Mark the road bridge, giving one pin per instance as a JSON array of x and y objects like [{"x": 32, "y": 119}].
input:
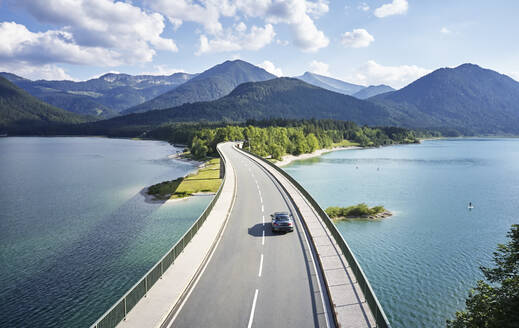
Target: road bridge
[{"x": 247, "y": 276}]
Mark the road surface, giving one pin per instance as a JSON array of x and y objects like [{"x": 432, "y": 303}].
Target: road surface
[{"x": 256, "y": 278}]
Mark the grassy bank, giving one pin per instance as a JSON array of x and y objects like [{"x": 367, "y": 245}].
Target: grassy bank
[{"x": 205, "y": 180}]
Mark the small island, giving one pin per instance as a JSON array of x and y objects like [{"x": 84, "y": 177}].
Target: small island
[
  {"x": 205, "y": 181},
  {"x": 360, "y": 211}
]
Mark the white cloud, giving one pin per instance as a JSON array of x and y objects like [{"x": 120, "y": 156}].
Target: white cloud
[
  {"x": 271, "y": 68},
  {"x": 241, "y": 27},
  {"x": 397, "y": 7},
  {"x": 206, "y": 13},
  {"x": 21, "y": 45},
  {"x": 255, "y": 39},
  {"x": 373, "y": 73},
  {"x": 317, "y": 9},
  {"x": 363, "y": 6},
  {"x": 318, "y": 67},
  {"x": 298, "y": 14},
  {"x": 36, "y": 72},
  {"x": 445, "y": 30},
  {"x": 294, "y": 12},
  {"x": 358, "y": 38},
  {"x": 94, "y": 32}
]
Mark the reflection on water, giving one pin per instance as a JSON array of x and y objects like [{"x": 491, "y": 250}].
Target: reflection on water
[{"x": 423, "y": 260}]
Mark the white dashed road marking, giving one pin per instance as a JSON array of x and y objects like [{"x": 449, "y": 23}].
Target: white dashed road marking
[
  {"x": 253, "y": 308},
  {"x": 261, "y": 266}
]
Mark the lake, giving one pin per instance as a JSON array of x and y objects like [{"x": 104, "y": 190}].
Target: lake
[
  {"x": 75, "y": 232},
  {"x": 422, "y": 261}
]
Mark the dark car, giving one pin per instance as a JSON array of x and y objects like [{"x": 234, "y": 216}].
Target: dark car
[{"x": 282, "y": 221}]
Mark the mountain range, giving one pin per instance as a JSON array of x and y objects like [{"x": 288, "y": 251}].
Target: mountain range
[
  {"x": 346, "y": 88},
  {"x": 284, "y": 97},
  {"x": 214, "y": 83},
  {"x": 101, "y": 97},
  {"x": 467, "y": 99}
]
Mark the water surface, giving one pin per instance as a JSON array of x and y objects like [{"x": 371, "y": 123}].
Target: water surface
[
  {"x": 75, "y": 232},
  {"x": 422, "y": 261}
]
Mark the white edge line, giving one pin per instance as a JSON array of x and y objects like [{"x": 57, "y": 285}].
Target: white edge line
[
  {"x": 263, "y": 238},
  {"x": 253, "y": 308},
  {"x": 263, "y": 221},
  {"x": 261, "y": 263}
]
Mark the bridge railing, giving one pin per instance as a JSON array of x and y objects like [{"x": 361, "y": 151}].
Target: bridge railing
[
  {"x": 120, "y": 309},
  {"x": 369, "y": 294}
]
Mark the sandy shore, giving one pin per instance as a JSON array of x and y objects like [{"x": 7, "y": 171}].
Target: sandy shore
[{"x": 287, "y": 159}]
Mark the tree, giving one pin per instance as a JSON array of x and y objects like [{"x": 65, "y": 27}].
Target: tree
[
  {"x": 199, "y": 148},
  {"x": 495, "y": 304},
  {"x": 312, "y": 142}
]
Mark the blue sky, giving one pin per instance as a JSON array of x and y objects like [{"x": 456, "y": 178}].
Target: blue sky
[{"x": 366, "y": 42}]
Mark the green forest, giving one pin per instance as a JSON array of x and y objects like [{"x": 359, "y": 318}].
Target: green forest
[{"x": 275, "y": 138}]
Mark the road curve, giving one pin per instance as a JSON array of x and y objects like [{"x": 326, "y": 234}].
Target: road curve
[{"x": 255, "y": 278}]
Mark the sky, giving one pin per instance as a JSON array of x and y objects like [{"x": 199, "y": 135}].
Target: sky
[{"x": 366, "y": 42}]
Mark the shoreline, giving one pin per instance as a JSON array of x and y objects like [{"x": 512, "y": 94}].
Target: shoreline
[
  {"x": 150, "y": 199},
  {"x": 287, "y": 159},
  {"x": 179, "y": 158},
  {"x": 373, "y": 217}
]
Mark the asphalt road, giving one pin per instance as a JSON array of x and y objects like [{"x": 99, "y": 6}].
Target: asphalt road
[{"x": 255, "y": 278}]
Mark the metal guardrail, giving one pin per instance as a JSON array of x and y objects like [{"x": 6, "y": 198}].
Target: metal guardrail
[
  {"x": 369, "y": 294},
  {"x": 120, "y": 309}
]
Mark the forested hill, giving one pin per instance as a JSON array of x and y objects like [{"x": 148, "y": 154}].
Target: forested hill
[
  {"x": 467, "y": 98},
  {"x": 211, "y": 84},
  {"x": 287, "y": 98},
  {"x": 21, "y": 112}
]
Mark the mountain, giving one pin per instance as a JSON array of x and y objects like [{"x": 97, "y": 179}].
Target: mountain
[
  {"x": 468, "y": 98},
  {"x": 103, "y": 97},
  {"x": 211, "y": 84},
  {"x": 20, "y": 111},
  {"x": 331, "y": 84},
  {"x": 372, "y": 91},
  {"x": 277, "y": 98}
]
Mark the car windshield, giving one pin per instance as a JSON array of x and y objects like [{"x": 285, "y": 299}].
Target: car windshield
[{"x": 283, "y": 218}]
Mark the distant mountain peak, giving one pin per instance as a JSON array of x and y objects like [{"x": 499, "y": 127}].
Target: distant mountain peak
[
  {"x": 372, "y": 90},
  {"x": 330, "y": 83},
  {"x": 213, "y": 83},
  {"x": 468, "y": 65}
]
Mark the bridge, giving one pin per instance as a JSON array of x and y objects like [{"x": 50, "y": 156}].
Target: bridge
[{"x": 230, "y": 270}]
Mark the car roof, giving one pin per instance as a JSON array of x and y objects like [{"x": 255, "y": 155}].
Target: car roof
[{"x": 281, "y": 214}]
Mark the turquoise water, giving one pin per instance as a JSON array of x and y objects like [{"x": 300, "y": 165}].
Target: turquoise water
[
  {"x": 422, "y": 261},
  {"x": 75, "y": 232}
]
